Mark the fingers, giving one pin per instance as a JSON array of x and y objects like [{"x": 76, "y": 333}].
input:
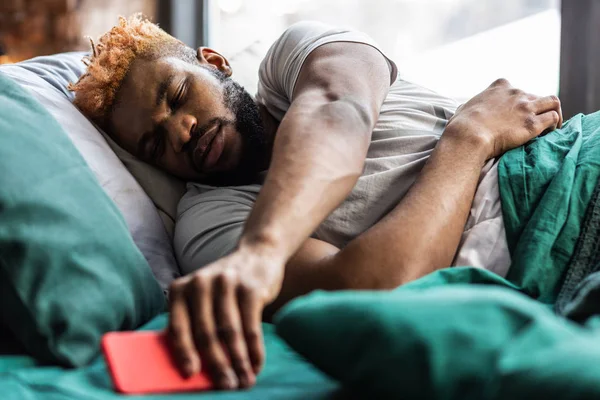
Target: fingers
[
  {"x": 541, "y": 105},
  {"x": 547, "y": 121},
  {"x": 548, "y": 103},
  {"x": 179, "y": 331},
  {"x": 200, "y": 295},
  {"x": 216, "y": 320},
  {"x": 251, "y": 313},
  {"x": 230, "y": 327}
]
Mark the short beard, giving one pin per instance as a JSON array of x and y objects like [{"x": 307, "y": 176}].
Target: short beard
[{"x": 255, "y": 146}]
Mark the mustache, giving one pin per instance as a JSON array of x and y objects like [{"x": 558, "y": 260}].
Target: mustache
[{"x": 197, "y": 134}]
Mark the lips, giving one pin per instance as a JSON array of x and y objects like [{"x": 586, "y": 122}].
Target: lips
[{"x": 202, "y": 151}]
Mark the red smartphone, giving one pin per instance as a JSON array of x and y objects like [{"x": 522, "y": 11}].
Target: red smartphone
[{"x": 141, "y": 363}]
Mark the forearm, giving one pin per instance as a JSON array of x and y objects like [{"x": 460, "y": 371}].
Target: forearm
[
  {"x": 318, "y": 155},
  {"x": 422, "y": 233},
  {"x": 419, "y": 236}
]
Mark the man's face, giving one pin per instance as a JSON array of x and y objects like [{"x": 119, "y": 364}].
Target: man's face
[{"x": 184, "y": 119}]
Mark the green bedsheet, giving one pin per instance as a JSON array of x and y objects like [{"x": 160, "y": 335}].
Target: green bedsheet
[{"x": 285, "y": 376}]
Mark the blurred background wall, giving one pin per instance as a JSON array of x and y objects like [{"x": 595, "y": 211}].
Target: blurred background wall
[{"x": 29, "y": 28}]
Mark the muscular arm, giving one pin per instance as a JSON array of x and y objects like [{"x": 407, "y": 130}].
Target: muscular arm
[
  {"x": 318, "y": 155},
  {"x": 217, "y": 310},
  {"x": 419, "y": 236},
  {"x": 320, "y": 146},
  {"x": 422, "y": 233}
]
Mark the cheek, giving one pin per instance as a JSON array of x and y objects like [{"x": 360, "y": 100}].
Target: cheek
[
  {"x": 206, "y": 102},
  {"x": 176, "y": 164}
]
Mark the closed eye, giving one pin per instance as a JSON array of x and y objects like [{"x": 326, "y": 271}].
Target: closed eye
[{"x": 179, "y": 96}]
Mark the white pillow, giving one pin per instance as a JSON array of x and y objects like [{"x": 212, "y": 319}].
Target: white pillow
[{"x": 47, "y": 78}]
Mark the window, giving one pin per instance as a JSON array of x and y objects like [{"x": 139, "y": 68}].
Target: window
[{"x": 456, "y": 47}]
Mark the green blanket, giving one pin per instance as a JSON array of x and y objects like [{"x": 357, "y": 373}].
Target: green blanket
[
  {"x": 546, "y": 187},
  {"x": 458, "y": 334},
  {"x": 285, "y": 376}
]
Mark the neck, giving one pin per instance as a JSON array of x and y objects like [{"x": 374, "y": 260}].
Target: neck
[{"x": 271, "y": 125}]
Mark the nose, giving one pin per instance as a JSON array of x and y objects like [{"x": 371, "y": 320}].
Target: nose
[{"x": 181, "y": 130}]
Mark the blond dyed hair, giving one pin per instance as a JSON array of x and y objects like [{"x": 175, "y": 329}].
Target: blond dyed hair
[{"x": 111, "y": 58}]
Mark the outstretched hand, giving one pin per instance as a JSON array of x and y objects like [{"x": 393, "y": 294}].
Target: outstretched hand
[{"x": 216, "y": 312}]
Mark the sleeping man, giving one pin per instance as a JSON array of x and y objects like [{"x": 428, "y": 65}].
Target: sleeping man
[{"x": 366, "y": 181}]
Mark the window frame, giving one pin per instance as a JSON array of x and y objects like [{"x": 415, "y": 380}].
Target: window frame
[{"x": 580, "y": 57}]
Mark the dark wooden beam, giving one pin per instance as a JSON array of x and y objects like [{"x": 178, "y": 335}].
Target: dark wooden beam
[
  {"x": 202, "y": 16},
  {"x": 164, "y": 15},
  {"x": 187, "y": 20},
  {"x": 580, "y": 57}
]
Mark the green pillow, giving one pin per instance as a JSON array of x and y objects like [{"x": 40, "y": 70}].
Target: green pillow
[
  {"x": 460, "y": 333},
  {"x": 69, "y": 270}
]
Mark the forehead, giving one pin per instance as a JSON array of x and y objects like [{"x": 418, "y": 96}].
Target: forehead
[{"x": 143, "y": 78}]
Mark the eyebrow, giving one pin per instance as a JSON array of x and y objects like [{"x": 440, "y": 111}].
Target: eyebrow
[{"x": 161, "y": 91}]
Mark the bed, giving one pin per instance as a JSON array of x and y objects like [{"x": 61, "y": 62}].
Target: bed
[{"x": 85, "y": 248}]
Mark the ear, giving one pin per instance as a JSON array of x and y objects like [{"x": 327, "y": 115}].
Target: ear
[{"x": 210, "y": 57}]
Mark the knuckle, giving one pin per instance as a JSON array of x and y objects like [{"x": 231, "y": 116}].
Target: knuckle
[
  {"x": 515, "y": 92},
  {"x": 529, "y": 124},
  {"x": 252, "y": 335},
  {"x": 177, "y": 331},
  {"x": 202, "y": 338},
  {"x": 228, "y": 332},
  {"x": 226, "y": 278},
  {"x": 219, "y": 365},
  {"x": 246, "y": 291},
  {"x": 199, "y": 281},
  {"x": 530, "y": 97},
  {"x": 176, "y": 286},
  {"x": 524, "y": 105},
  {"x": 258, "y": 357},
  {"x": 555, "y": 117},
  {"x": 555, "y": 100},
  {"x": 216, "y": 360},
  {"x": 501, "y": 82},
  {"x": 238, "y": 360}
]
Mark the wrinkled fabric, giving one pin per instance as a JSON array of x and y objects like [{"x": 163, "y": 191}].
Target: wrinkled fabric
[
  {"x": 457, "y": 334},
  {"x": 69, "y": 269},
  {"x": 285, "y": 376},
  {"x": 483, "y": 242},
  {"x": 546, "y": 187}
]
